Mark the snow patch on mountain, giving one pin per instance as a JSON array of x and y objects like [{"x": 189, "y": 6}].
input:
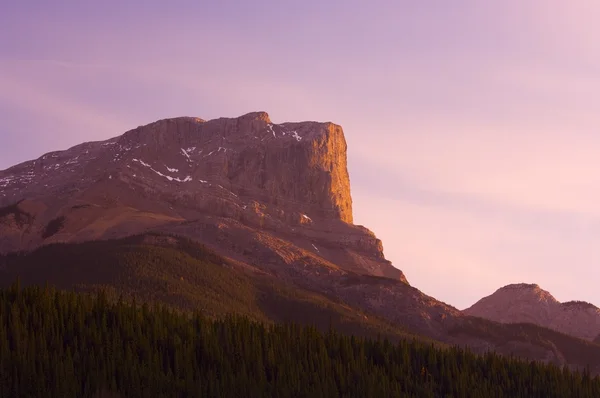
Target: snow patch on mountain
[
  {"x": 186, "y": 154},
  {"x": 170, "y": 178},
  {"x": 296, "y": 136}
]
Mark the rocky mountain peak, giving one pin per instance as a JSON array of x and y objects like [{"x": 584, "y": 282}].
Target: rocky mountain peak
[
  {"x": 524, "y": 291},
  {"x": 529, "y": 303},
  {"x": 259, "y": 115},
  {"x": 288, "y": 180},
  {"x": 521, "y": 286},
  {"x": 299, "y": 166}
]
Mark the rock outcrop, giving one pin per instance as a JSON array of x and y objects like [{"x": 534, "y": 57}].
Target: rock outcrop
[
  {"x": 529, "y": 303},
  {"x": 244, "y": 177},
  {"x": 291, "y": 165}
]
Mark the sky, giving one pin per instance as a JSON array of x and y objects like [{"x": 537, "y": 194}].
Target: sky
[{"x": 472, "y": 127}]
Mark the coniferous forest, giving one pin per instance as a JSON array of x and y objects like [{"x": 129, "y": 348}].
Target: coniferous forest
[{"x": 65, "y": 344}]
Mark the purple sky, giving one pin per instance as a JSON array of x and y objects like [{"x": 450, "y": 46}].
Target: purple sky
[{"x": 472, "y": 128}]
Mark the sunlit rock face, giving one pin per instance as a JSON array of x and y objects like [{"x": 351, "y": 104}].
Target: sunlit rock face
[{"x": 246, "y": 175}]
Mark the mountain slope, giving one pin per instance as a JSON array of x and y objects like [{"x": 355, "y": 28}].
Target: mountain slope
[
  {"x": 185, "y": 275},
  {"x": 187, "y": 175},
  {"x": 529, "y": 303}
]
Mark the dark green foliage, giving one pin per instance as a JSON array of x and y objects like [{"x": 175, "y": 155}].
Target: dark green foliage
[
  {"x": 519, "y": 335},
  {"x": 53, "y": 227},
  {"x": 21, "y": 217},
  {"x": 186, "y": 275},
  {"x": 59, "y": 344}
]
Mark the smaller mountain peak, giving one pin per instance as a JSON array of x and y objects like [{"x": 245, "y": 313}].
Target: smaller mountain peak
[
  {"x": 527, "y": 290},
  {"x": 521, "y": 286},
  {"x": 527, "y": 302}
]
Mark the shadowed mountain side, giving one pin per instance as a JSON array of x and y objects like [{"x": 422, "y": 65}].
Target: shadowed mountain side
[
  {"x": 188, "y": 276},
  {"x": 184, "y": 275}
]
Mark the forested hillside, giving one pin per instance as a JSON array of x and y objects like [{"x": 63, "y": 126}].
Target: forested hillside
[
  {"x": 185, "y": 275},
  {"x": 66, "y": 344}
]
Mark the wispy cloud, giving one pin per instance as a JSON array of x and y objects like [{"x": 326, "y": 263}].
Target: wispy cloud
[{"x": 6, "y": 61}]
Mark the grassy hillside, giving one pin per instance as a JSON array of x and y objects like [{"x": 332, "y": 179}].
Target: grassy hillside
[{"x": 185, "y": 275}]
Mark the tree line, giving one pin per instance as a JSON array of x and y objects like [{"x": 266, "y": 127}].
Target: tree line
[{"x": 56, "y": 343}]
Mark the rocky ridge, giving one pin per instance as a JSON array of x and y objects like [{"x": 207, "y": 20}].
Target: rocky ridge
[{"x": 529, "y": 303}]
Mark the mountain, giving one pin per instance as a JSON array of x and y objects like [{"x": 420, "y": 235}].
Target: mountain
[
  {"x": 520, "y": 303},
  {"x": 281, "y": 191},
  {"x": 273, "y": 197},
  {"x": 272, "y": 202}
]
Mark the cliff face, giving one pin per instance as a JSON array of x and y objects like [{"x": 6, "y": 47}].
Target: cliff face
[
  {"x": 290, "y": 165},
  {"x": 529, "y": 303},
  {"x": 246, "y": 179}
]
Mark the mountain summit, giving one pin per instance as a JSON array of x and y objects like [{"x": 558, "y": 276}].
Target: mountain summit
[
  {"x": 282, "y": 190},
  {"x": 519, "y": 303}
]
